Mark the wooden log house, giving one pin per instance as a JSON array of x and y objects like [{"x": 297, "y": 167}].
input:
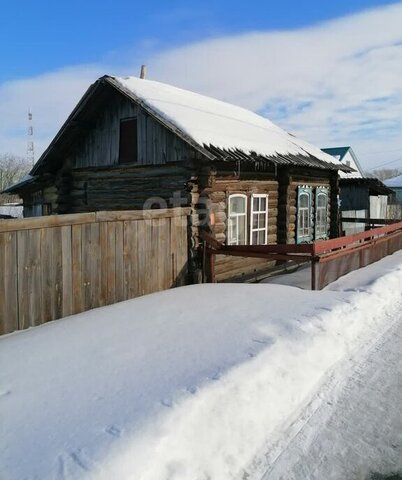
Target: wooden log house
[{"x": 132, "y": 143}]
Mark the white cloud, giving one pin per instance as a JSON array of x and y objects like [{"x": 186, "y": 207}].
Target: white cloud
[
  {"x": 334, "y": 83},
  {"x": 50, "y": 97}
]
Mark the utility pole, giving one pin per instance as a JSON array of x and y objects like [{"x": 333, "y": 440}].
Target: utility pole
[{"x": 30, "y": 140}]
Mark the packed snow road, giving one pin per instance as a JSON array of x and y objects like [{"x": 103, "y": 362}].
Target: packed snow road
[{"x": 356, "y": 430}]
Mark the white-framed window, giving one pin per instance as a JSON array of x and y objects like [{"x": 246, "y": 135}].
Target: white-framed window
[
  {"x": 321, "y": 213},
  {"x": 304, "y": 217},
  {"x": 259, "y": 219},
  {"x": 237, "y": 220}
]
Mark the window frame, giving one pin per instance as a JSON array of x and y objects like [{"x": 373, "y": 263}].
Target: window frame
[
  {"x": 307, "y": 237},
  {"x": 236, "y": 215},
  {"x": 258, "y": 213}
]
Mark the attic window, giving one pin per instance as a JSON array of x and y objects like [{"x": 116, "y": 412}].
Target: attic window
[{"x": 128, "y": 144}]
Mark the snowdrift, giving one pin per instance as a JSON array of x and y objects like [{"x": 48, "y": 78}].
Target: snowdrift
[{"x": 193, "y": 383}]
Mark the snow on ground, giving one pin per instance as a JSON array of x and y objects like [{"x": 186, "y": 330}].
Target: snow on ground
[
  {"x": 299, "y": 277},
  {"x": 357, "y": 430},
  {"x": 201, "y": 382}
]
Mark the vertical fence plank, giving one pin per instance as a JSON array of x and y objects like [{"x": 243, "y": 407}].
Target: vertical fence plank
[
  {"x": 52, "y": 274},
  {"x": 152, "y": 267},
  {"x": 76, "y": 256},
  {"x": 23, "y": 286},
  {"x": 95, "y": 273},
  {"x": 90, "y": 265},
  {"x": 119, "y": 237},
  {"x": 179, "y": 248},
  {"x": 144, "y": 245},
  {"x": 29, "y": 278},
  {"x": 8, "y": 283},
  {"x": 130, "y": 259},
  {"x": 104, "y": 263},
  {"x": 47, "y": 267},
  {"x": 67, "y": 270},
  {"x": 111, "y": 262},
  {"x": 141, "y": 261}
]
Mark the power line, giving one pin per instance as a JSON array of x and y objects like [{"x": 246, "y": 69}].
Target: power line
[
  {"x": 386, "y": 163},
  {"x": 382, "y": 151}
]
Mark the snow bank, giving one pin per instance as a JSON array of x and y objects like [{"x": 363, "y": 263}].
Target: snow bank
[
  {"x": 209, "y": 121},
  {"x": 192, "y": 383}
]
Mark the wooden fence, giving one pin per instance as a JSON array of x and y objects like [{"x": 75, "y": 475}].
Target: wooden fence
[
  {"x": 330, "y": 259},
  {"x": 55, "y": 266}
]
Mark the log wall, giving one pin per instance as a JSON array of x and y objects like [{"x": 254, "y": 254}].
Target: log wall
[
  {"x": 122, "y": 188},
  {"x": 218, "y": 192}
]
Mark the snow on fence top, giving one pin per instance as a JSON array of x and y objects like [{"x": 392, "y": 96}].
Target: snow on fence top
[{"x": 211, "y": 122}]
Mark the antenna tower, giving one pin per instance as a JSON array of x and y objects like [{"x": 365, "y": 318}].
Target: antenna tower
[{"x": 30, "y": 140}]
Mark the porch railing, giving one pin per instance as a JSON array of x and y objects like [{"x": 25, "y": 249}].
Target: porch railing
[{"x": 330, "y": 259}]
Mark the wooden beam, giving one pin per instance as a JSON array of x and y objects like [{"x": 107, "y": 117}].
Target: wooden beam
[
  {"x": 46, "y": 221},
  {"x": 342, "y": 242},
  {"x": 110, "y": 216},
  {"x": 306, "y": 248},
  {"x": 266, "y": 256},
  {"x": 369, "y": 221}
]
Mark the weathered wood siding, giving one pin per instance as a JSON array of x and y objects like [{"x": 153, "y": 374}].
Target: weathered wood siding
[
  {"x": 355, "y": 197},
  {"x": 56, "y": 266},
  {"x": 100, "y": 144}
]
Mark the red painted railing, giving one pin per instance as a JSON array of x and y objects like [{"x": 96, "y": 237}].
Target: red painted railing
[{"x": 329, "y": 259}]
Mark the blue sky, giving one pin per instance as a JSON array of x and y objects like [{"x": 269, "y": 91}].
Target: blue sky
[
  {"x": 327, "y": 71},
  {"x": 39, "y": 35}
]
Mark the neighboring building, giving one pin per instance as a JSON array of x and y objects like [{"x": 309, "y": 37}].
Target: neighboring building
[
  {"x": 130, "y": 140},
  {"x": 360, "y": 196},
  {"x": 346, "y": 156},
  {"x": 11, "y": 210},
  {"x": 395, "y": 184}
]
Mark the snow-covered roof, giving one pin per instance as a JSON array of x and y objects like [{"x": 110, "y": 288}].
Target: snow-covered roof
[
  {"x": 394, "y": 182},
  {"x": 211, "y": 122}
]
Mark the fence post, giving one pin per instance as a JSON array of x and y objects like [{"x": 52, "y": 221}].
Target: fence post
[
  {"x": 211, "y": 266},
  {"x": 204, "y": 262},
  {"x": 314, "y": 263}
]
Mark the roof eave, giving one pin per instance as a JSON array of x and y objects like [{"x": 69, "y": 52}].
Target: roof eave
[{"x": 80, "y": 105}]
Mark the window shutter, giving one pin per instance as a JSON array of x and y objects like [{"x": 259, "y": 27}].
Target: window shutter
[{"x": 321, "y": 213}]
